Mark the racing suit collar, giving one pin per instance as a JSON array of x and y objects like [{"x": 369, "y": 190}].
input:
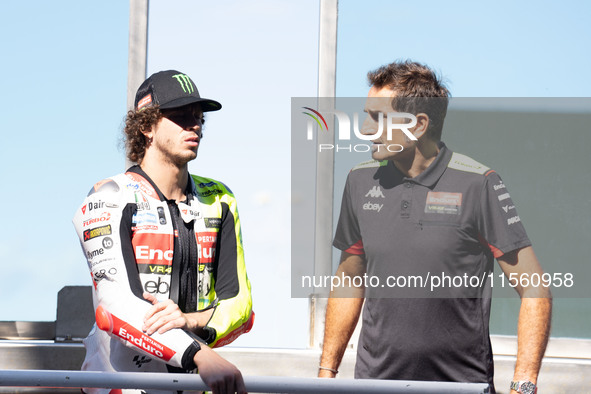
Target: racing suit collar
[{"x": 189, "y": 189}]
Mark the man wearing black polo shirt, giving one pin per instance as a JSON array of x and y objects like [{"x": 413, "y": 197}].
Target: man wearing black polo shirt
[{"x": 419, "y": 209}]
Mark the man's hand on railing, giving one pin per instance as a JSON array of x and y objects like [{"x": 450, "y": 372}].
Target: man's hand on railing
[{"x": 219, "y": 374}]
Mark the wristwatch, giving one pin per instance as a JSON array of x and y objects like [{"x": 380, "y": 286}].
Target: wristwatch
[{"x": 524, "y": 387}]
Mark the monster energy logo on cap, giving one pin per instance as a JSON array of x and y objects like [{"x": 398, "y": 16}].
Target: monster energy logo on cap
[
  {"x": 162, "y": 89},
  {"x": 185, "y": 83}
]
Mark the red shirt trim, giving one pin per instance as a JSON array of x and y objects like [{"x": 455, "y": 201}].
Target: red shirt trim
[{"x": 357, "y": 248}]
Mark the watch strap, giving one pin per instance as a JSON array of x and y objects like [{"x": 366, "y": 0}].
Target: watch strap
[{"x": 524, "y": 386}]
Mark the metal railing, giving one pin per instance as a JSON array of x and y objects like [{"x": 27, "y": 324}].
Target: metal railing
[{"x": 254, "y": 384}]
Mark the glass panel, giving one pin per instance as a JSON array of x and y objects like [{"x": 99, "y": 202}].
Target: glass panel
[
  {"x": 64, "y": 75},
  {"x": 500, "y": 49},
  {"x": 252, "y": 57}
]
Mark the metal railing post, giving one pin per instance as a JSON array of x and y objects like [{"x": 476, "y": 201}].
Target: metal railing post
[
  {"x": 137, "y": 51},
  {"x": 324, "y": 165}
]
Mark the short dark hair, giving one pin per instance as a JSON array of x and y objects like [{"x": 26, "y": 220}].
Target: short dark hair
[
  {"x": 136, "y": 123},
  {"x": 418, "y": 89}
]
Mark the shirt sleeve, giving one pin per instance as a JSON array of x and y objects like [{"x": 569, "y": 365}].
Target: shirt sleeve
[
  {"x": 348, "y": 236},
  {"x": 103, "y": 224},
  {"x": 500, "y": 226},
  {"x": 233, "y": 315}
]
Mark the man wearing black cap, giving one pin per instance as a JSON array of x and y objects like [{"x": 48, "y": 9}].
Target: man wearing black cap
[{"x": 165, "y": 248}]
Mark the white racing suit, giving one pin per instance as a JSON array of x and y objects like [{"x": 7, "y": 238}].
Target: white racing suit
[{"x": 136, "y": 241}]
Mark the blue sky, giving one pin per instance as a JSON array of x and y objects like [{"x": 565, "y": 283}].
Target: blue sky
[
  {"x": 63, "y": 82},
  {"x": 64, "y": 85},
  {"x": 482, "y": 48}
]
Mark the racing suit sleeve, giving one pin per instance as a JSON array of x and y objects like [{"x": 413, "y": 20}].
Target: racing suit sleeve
[
  {"x": 233, "y": 314},
  {"x": 104, "y": 225}
]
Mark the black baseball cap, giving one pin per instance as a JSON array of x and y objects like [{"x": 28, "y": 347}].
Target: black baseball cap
[{"x": 171, "y": 89}]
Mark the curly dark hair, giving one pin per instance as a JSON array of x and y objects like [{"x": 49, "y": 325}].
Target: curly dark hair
[
  {"x": 418, "y": 89},
  {"x": 136, "y": 123}
]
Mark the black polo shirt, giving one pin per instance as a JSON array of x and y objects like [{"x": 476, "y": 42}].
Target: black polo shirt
[{"x": 449, "y": 221}]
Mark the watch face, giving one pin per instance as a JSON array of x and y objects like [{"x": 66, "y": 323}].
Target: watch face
[{"x": 527, "y": 388}]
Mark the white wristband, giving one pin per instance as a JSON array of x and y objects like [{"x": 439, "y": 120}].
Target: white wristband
[{"x": 329, "y": 369}]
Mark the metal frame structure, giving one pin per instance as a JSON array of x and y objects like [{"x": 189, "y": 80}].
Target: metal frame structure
[
  {"x": 254, "y": 384},
  {"x": 137, "y": 52},
  {"x": 55, "y": 347},
  {"x": 327, "y": 63},
  {"x": 138, "y": 47}
]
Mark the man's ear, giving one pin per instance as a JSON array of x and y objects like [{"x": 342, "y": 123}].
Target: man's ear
[
  {"x": 148, "y": 132},
  {"x": 422, "y": 125}
]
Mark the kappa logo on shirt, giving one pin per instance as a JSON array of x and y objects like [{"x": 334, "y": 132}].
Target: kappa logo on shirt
[{"x": 375, "y": 192}]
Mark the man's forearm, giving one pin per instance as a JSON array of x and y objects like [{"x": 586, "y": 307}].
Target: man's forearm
[
  {"x": 532, "y": 337},
  {"x": 342, "y": 315},
  {"x": 197, "y": 320},
  {"x": 535, "y": 314}
]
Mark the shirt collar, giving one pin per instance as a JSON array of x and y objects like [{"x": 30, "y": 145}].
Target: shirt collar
[{"x": 432, "y": 174}]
